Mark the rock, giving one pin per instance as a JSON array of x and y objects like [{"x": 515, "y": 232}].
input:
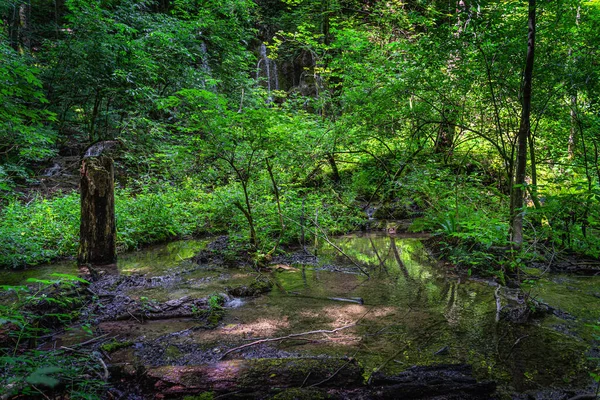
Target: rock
[{"x": 256, "y": 288}]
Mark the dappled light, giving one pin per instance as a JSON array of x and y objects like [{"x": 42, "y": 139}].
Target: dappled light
[{"x": 277, "y": 199}]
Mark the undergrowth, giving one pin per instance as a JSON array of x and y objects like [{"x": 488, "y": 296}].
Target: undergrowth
[
  {"x": 29, "y": 314},
  {"x": 46, "y": 229}
]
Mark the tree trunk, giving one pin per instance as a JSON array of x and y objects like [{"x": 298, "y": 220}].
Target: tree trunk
[
  {"x": 524, "y": 131},
  {"x": 24, "y": 31},
  {"x": 572, "y": 147},
  {"x": 445, "y": 137},
  {"x": 335, "y": 173},
  {"x": 97, "y": 236}
]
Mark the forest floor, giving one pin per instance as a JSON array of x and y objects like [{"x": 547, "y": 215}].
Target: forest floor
[{"x": 310, "y": 326}]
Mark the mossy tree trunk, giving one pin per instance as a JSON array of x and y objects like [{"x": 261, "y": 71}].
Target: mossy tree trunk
[{"x": 97, "y": 236}]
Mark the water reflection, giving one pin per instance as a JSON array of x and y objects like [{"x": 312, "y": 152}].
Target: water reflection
[
  {"x": 154, "y": 260},
  {"x": 425, "y": 310}
]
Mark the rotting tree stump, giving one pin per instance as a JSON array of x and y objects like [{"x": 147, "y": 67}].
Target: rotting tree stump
[{"x": 97, "y": 235}]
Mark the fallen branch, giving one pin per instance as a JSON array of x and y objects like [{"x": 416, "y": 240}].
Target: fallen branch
[
  {"x": 351, "y": 359},
  {"x": 106, "y": 374},
  {"x": 92, "y": 340},
  {"x": 589, "y": 396},
  {"x": 324, "y": 236},
  {"x": 341, "y": 251},
  {"x": 515, "y": 345},
  {"x": 278, "y": 339}
]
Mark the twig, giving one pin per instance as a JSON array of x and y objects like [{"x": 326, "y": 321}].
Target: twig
[
  {"x": 277, "y": 339},
  {"x": 40, "y": 392},
  {"x": 133, "y": 316},
  {"x": 386, "y": 362},
  {"x": 305, "y": 379},
  {"x": 334, "y": 246},
  {"x": 226, "y": 394},
  {"x": 515, "y": 345},
  {"x": 341, "y": 251},
  {"x": 336, "y": 372},
  {"x": 106, "y": 375},
  {"x": 73, "y": 350},
  {"x": 427, "y": 333},
  {"x": 92, "y": 340}
]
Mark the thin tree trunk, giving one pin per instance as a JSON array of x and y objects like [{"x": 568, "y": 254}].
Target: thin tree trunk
[
  {"x": 573, "y": 133},
  {"x": 524, "y": 131},
  {"x": 572, "y": 147},
  {"x": 335, "y": 173},
  {"x": 24, "y": 29},
  {"x": 533, "y": 191},
  {"x": 276, "y": 192}
]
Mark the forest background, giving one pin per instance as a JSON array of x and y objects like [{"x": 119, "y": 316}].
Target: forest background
[{"x": 278, "y": 120}]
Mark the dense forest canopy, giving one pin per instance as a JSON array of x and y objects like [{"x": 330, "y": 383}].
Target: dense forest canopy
[{"x": 256, "y": 117}]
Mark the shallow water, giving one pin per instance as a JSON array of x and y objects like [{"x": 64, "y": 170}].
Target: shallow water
[
  {"x": 412, "y": 312},
  {"x": 153, "y": 260}
]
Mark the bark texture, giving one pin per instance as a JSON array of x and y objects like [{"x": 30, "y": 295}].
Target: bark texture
[
  {"x": 524, "y": 132},
  {"x": 97, "y": 236}
]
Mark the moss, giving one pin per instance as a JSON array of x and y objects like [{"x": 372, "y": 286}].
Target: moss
[
  {"x": 115, "y": 345},
  {"x": 301, "y": 394},
  {"x": 201, "y": 396},
  {"x": 172, "y": 352},
  {"x": 295, "y": 370},
  {"x": 256, "y": 288}
]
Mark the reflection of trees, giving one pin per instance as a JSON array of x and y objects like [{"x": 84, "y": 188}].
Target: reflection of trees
[
  {"x": 398, "y": 259},
  {"x": 451, "y": 313},
  {"x": 381, "y": 262}
]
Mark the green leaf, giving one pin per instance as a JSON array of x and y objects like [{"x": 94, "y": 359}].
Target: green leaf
[{"x": 41, "y": 377}]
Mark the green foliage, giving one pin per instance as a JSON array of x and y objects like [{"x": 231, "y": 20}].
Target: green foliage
[
  {"x": 570, "y": 216},
  {"x": 35, "y": 310},
  {"x": 39, "y": 231},
  {"x": 214, "y": 313},
  {"x": 157, "y": 213},
  {"x": 45, "y": 229},
  {"x": 24, "y": 133}
]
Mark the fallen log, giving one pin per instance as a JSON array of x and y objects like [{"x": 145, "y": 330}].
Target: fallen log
[
  {"x": 334, "y": 378},
  {"x": 253, "y": 376},
  {"x": 453, "y": 381}
]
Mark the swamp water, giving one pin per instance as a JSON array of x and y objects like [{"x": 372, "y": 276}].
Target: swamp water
[{"x": 408, "y": 312}]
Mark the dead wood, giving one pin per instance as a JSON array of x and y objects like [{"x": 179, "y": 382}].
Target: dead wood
[{"x": 288, "y": 337}]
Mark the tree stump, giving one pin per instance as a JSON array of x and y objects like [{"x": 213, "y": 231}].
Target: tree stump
[{"x": 97, "y": 235}]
